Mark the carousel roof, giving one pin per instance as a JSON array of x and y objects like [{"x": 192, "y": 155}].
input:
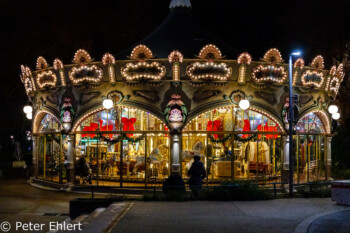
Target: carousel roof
[{"x": 180, "y": 31}]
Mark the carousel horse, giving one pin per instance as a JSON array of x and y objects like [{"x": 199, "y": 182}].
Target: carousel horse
[
  {"x": 188, "y": 155},
  {"x": 155, "y": 158},
  {"x": 252, "y": 153},
  {"x": 196, "y": 150}
]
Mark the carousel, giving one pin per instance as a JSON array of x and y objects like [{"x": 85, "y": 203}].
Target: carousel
[{"x": 134, "y": 118}]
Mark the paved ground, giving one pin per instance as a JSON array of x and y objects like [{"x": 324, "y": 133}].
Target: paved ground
[
  {"x": 282, "y": 215},
  {"x": 21, "y": 202},
  {"x": 338, "y": 222}
]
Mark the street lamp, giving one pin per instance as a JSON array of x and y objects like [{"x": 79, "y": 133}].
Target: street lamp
[
  {"x": 336, "y": 116},
  {"x": 27, "y": 109},
  {"x": 29, "y": 116},
  {"x": 332, "y": 109},
  {"x": 107, "y": 104},
  {"x": 244, "y": 104},
  {"x": 291, "y": 120}
]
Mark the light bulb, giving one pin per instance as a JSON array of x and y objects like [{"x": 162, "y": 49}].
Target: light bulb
[
  {"x": 107, "y": 103},
  {"x": 29, "y": 116},
  {"x": 244, "y": 104},
  {"x": 336, "y": 116},
  {"x": 332, "y": 109},
  {"x": 27, "y": 109}
]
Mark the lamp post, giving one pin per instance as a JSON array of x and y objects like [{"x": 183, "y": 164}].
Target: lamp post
[
  {"x": 291, "y": 121},
  {"x": 28, "y": 110},
  {"x": 107, "y": 104}
]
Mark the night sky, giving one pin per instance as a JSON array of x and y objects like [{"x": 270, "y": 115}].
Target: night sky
[{"x": 57, "y": 28}]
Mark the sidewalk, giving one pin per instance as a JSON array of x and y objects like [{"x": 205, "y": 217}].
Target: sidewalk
[
  {"x": 281, "y": 215},
  {"x": 337, "y": 222}
]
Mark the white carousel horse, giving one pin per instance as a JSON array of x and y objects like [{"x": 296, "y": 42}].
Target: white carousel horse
[
  {"x": 155, "y": 158},
  {"x": 196, "y": 150},
  {"x": 263, "y": 151}
]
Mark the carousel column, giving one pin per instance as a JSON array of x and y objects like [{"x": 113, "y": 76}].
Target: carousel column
[
  {"x": 70, "y": 158},
  {"x": 35, "y": 156},
  {"x": 285, "y": 169},
  {"x": 328, "y": 157},
  {"x": 175, "y": 150}
]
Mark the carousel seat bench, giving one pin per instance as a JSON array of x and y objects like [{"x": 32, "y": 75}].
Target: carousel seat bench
[{"x": 263, "y": 168}]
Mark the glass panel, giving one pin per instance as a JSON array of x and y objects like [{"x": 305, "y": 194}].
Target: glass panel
[
  {"x": 49, "y": 150},
  {"x": 98, "y": 159},
  {"x": 193, "y": 144},
  {"x": 303, "y": 159},
  {"x": 122, "y": 118},
  {"x": 253, "y": 156},
  {"x": 229, "y": 118},
  {"x": 41, "y": 155},
  {"x": 310, "y": 123},
  {"x": 219, "y": 157},
  {"x": 158, "y": 159},
  {"x": 126, "y": 163},
  {"x": 49, "y": 123}
]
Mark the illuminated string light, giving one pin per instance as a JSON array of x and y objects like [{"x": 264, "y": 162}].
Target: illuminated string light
[
  {"x": 82, "y": 118},
  {"x": 46, "y": 79},
  {"x": 210, "y": 52},
  {"x": 311, "y": 81},
  {"x": 298, "y": 65},
  {"x": 206, "y": 69},
  {"x": 318, "y": 62},
  {"x": 269, "y": 116},
  {"x": 141, "y": 52},
  {"x": 38, "y": 118},
  {"x": 130, "y": 73},
  {"x": 242, "y": 71},
  {"x": 27, "y": 80},
  {"x": 85, "y": 116},
  {"x": 75, "y": 71},
  {"x": 41, "y": 63},
  {"x": 332, "y": 73},
  {"x": 81, "y": 56},
  {"x": 269, "y": 73},
  {"x": 335, "y": 79},
  {"x": 274, "y": 119},
  {"x": 175, "y": 56},
  {"x": 323, "y": 117},
  {"x": 111, "y": 73},
  {"x": 273, "y": 55},
  {"x": 58, "y": 65},
  {"x": 244, "y": 58},
  {"x": 176, "y": 72},
  {"x": 108, "y": 59}
]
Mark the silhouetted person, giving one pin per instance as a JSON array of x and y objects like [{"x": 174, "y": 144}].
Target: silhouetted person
[
  {"x": 83, "y": 170},
  {"x": 196, "y": 174}
]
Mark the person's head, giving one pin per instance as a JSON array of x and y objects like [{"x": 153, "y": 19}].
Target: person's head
[
  {"x": 226, "y": 149},
  {"x": 196, "y": 158}
]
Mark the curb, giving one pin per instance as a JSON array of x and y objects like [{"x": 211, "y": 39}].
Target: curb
[
  {"x": 115, "y": 221},
  {"x": 304, "y": 225}
]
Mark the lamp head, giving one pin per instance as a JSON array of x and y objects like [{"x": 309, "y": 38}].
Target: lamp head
[
  {"x": 332, "y": 109},
  {"x": 336, "y": 116},
  {"x": 296, "y": 53},
  {"x": 244, "y": 104},
  {"x": 107, "y": 103},
  {"x": 27, "y": 109}
]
